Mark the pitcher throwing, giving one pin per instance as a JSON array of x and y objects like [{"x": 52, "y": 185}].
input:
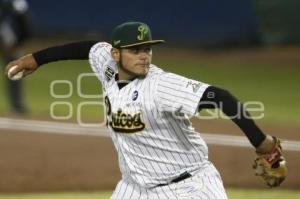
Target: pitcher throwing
[{"x": 148, "y": 109}]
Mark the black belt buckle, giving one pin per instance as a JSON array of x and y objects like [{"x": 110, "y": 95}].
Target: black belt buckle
[{"x": 181, "y": 177}]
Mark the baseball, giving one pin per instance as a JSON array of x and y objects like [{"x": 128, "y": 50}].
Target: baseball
[{"x": 17, "y": 76}]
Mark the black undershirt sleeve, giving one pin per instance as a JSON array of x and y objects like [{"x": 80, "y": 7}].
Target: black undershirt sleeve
[
  {"x": 72, "y": 51},
  {"x": 215, "y": 97}
]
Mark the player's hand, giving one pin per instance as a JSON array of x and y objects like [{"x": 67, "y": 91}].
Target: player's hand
[
  {"x": 270, "y": 164},
  {"x": 27, "y": 64}
]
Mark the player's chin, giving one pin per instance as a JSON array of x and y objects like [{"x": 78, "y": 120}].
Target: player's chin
[{"x": 142, "y": 69}]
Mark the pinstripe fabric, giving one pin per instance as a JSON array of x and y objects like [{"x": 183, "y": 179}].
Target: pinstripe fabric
[
  {"x": 204, "y": 184},
  {"x": 167, "y": 144},
  {"x": 176, "y": 93}
]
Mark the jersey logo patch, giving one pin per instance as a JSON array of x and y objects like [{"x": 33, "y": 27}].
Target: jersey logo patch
[
  {"x": 109, "y": 73},
  {"x": 126, "y": 123},
  {"x": 135, "y": 95},
  {"x": 195, "y": 85}
]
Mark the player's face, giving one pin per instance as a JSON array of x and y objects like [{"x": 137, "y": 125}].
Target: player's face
[{"x": 134, "y": 61}]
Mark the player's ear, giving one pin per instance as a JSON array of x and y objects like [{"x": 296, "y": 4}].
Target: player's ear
[{"x": 115, "y": 53}]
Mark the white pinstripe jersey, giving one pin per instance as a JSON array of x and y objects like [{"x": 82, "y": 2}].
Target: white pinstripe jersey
[{"x": 148, "y": 121}]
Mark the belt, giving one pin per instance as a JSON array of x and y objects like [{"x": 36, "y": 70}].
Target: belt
[{"x": 181, "y": 177}]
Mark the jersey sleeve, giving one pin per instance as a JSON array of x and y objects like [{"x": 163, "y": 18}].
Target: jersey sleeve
[
  {"x": 175, "y": 93},
  {"x": 102, "y": 62}
]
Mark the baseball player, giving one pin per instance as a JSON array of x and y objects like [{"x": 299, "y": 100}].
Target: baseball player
[
  {"x": 15, "y": 28},
  {"x": 160, "y": 154}
]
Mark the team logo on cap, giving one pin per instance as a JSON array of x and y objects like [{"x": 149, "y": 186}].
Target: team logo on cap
[
  {"x": 116, "y": 42},
  {"x": 143, "y": 30}
]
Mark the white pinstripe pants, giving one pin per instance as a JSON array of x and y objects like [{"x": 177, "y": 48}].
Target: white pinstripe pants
[{"x": 205, "y": 184}]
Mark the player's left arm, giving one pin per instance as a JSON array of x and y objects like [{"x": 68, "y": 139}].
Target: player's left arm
[
  {"x": 215, "y": 97},
  {"x": 270, "y": 163}
]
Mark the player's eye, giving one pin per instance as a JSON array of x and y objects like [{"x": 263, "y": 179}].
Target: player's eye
[
  {"x": 137, "y": 50},
  {"x": 134, "y": 50},
  {"x": 147, "y": 50}
]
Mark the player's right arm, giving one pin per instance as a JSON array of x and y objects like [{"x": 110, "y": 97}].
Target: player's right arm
[{"x": 31, "y": 62}]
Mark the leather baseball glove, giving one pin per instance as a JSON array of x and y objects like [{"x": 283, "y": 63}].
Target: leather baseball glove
[{"x": 271, "y": 166}]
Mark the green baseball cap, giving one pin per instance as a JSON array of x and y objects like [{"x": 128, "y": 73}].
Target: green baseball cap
[{"x": 130, "y": 34}]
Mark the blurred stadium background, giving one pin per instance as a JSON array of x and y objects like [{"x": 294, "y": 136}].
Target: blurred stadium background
[{"x": 250, "y": 47}]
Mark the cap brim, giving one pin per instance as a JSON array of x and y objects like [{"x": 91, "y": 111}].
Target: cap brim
[{"x": 152, "y": 42}]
